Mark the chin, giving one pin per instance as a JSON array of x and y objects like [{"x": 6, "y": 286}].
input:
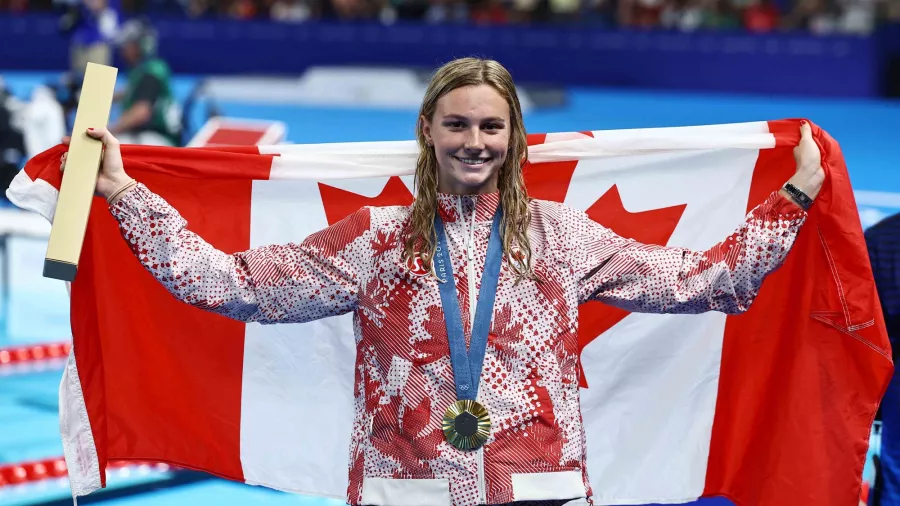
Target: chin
[{"x": 476, "y": 182}]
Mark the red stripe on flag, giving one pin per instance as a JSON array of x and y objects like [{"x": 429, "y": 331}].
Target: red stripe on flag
[
  {"x": 174, "y": 393},
  {"x": 786, "y": 132},
  {"x": 228, "y": 162},
  {"x": 45, "y": 165},
  {"x": 220, "y": 162},
  {"x": 795, "y": 394}
]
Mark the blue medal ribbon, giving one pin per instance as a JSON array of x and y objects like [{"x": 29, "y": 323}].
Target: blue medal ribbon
[{"x": 467, "y": 364}]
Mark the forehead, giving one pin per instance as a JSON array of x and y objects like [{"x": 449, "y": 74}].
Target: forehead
[{"x": 474, "y": 102}]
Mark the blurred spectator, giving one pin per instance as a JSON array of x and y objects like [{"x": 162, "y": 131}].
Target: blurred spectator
[
  {"x": 290, "y": 10},
  {"x": 150, "y": 114},
  {"x": 198, "y": 8},
  {"x": 701, "y": 15},
  {"x": 641, "y": 13},
  {"x": 817, "y": 16},
  {"x": 564, "y": 11},
  {"x": 488, "y": 12},
  {"x": 15, "y": 5},
  {"x": 91, "y": 25},
  {"x": 761, "y": 16},
  {"x": 857, "y": 16},
  {"x": 892, "y": 11},
  {"x": 599, "y": 12},
  {"x": 243, "y": 9},
  {"x": 755, "y": 16},
  {"x": 12, "y": 142},
  {"x": 447, "y": 11}
]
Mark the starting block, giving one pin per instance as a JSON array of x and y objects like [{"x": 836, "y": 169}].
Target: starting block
[{"x": 223, "y": 131}]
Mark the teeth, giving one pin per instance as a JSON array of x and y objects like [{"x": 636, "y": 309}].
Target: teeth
[{"x": 472, "y": 161}]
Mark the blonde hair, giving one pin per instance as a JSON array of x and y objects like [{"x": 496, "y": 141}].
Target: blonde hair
[{"x": 420, "y": 235}]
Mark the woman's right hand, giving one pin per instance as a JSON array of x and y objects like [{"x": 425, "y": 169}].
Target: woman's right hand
[{"x": 112, "y": 174}]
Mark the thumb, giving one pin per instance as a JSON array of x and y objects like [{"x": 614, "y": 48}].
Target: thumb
[
  {"x": 805, "y": 130},
  {"x": 102, "y": 135},
  {"x": 95, "y": 133}
]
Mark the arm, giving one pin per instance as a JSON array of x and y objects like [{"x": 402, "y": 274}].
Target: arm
[
  {"x": 135, "y": 116},
  {"x": 145, "y": 95},
  {"x": 657, "y": 279},
  {"x": 270, "y": 284},
  {"x": 726, "y": 277}
]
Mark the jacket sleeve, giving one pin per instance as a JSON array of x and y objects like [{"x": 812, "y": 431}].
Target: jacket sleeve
[
  {"x": 657, "y": 279},
  {"x": 317, "y": 278}
]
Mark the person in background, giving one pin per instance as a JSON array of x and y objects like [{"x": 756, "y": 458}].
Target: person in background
[
  {"x": 12, "y": 142},
  {"x": 150, "y": 115},
  {"x": 761, "y": 16},
  {"x": 92, "y": 26},
  {"x": 290, "y": 10},
  {"x": 883, "y": 243}
]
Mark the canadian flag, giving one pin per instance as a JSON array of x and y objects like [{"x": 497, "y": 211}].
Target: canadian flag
[{"x": 769, "y": 408}]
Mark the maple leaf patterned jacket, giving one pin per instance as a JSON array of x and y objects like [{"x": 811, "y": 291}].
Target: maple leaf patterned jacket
[{"x": 403, "y": 376}]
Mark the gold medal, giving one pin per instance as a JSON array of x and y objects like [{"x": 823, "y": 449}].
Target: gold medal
[{"x": 467, "y": 424}]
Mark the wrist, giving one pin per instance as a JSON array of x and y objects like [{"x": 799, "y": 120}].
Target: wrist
[
  {"x": 797, "y": 195},
  {"x": 808, "y": 180},
  {"x": 111, "y": 185},
  {"x": 120, "y": 191}
]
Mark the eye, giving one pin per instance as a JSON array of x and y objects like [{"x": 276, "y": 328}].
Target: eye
[
  {"x": 454, "y": 124},
  {"x": 491, "y": 127}
]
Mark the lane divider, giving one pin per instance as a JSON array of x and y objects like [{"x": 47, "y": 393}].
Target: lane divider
[
  {"x": 34, "y": 353},
  {"x": 21, "y": 473},
  {"x": 46, "y": 469}
]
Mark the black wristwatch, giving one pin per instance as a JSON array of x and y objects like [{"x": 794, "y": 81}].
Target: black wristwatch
[{"x": 798, "y": 196}]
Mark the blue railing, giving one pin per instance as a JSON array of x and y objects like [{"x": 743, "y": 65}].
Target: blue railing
[{"x": 777, "y": 64}]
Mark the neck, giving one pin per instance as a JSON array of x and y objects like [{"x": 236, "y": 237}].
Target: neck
[{"x": 461, "y": 189}]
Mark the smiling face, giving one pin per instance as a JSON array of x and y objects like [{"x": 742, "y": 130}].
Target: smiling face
[{"x": 469, "y": 132}]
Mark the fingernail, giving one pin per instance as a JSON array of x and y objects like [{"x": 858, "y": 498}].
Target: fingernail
[{"x": 90, "y": 128}]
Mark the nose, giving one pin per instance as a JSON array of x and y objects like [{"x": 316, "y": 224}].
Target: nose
[{"x": 474, "y": 142}]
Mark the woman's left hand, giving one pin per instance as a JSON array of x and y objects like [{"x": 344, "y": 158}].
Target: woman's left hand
[{"x": 810, "y": 175}]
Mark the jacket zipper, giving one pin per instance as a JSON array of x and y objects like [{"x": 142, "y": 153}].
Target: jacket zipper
[{"x": 473, "y": 301}]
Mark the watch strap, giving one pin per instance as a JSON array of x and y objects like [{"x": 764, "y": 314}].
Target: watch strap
[{"x": 798, "y": 196}]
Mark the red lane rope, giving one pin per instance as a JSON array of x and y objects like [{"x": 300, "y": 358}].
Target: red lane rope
[
  {"x": 34, "y": 353},
  {"x": 30, "y": 472}
]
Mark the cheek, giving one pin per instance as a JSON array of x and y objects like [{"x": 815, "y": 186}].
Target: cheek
[
  {"x": 446, "y": 143},
  {"x": 499, "y": 146}
]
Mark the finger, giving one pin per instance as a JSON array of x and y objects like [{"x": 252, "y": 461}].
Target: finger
[{"x": 805, "y": 130}]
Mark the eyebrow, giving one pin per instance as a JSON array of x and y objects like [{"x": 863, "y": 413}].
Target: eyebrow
[{"x": 458, "y": 116}]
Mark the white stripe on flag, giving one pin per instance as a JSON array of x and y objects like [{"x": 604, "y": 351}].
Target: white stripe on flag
[
  {"x": 648, "y": 434},
  {"x": 296, "y": 422},
  {"x": 341, "y": 160}
]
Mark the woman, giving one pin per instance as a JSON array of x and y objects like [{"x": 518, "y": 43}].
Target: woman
[{"x": 435, "y": 424}]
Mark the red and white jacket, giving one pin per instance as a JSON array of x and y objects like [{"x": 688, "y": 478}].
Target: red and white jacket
[{"x": 404, "y": 381}]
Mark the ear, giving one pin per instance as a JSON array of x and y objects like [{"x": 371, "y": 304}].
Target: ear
[{"x": 426, "y": 130}]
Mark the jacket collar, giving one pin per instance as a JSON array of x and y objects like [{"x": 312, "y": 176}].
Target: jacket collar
[{"x": 485, "y": 205}]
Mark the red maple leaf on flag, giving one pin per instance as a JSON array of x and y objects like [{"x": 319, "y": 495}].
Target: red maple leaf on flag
[
  {"x": 654, "y": 226},
  {"x": 340, "y": 203},
  {"x": 546, "y": 181}
]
